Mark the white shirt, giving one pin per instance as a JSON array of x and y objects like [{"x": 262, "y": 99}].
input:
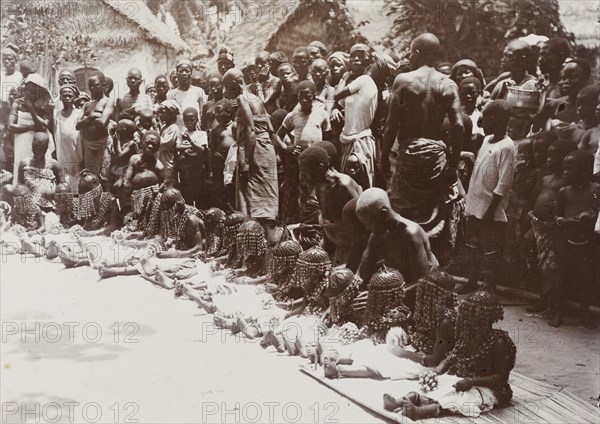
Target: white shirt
[
  {"x": 360, "y": 106},
  {"x": 493, "y": 173},
  {"x": 194, "y": 97},
  {"x": 9, "y": 82}
]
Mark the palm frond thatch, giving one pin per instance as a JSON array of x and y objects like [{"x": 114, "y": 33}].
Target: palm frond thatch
[
  {"x": 110, "y": 21},
  {"x": 285, "y": 26}
]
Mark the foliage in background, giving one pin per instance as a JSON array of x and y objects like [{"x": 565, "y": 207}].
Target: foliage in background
[
  {"x": 42, "y": 39},
  {"x": 475, "y": 29}
]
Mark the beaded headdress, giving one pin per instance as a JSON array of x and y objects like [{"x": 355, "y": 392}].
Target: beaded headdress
[
  {"x": 312, "y": 272},
  {"x": 433, "y": 303},
  {"x": 285, "y": 256},
  {"x": 386, "y": 292}
]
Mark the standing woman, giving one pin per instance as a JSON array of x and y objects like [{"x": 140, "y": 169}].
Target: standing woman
[
  {"x": 30, "y": 114},
  {"x": 69, "y": 150},
  {"x": 256, "y": 183}
]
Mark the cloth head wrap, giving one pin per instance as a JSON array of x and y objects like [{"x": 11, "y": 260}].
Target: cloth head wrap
[
  {"x": 171, "y": 105},
  {"x": 341, "y": 56}
]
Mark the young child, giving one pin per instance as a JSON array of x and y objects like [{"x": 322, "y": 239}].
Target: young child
[
  {"x": 520, "y": 202},
  {"x": 144, "y": 122},
  {"x": 221, "y": 140},
  {"x": 124, "y": 146},
  {"x": 544, "y": 227},
  {"x": 39, "y": 173},
  {"x": 588, "y": 101},
  {"x": 192, "y": 160},
  {"x": 324, "y": 92},
  {"x": 306, "y": 125},
  {"x": 486, "y": 203},
  {"x": 541, "y": 143},
  {"x": 577, "y": 206},
  {"x": 170, "y": 136}
]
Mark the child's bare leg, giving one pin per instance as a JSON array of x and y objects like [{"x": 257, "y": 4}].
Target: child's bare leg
[
  {"x": 250, "y": 331},
  {"x": 108, "y": 272}
]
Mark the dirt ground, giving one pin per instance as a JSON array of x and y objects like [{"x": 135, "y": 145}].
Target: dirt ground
[{"x": 76, "y": 349}]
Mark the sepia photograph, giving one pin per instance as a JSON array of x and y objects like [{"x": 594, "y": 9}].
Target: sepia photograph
[{"x": 300, "y": 211}]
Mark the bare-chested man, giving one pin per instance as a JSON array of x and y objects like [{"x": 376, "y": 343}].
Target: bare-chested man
[
  {"x": 131, "y": 103},
  {"x": 93, "y": 124},
  {"x": 144, "y": 174},
  {"x": 421, "y": 173},
  {"x": 333, "y": 190}
]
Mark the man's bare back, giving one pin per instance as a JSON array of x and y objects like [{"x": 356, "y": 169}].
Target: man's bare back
[
  {"x": 425, "y": 98},
  {"x": 334, "y": 193}
]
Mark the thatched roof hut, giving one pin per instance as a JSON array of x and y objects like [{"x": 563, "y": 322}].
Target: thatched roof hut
[
  {"x": 287, "y": 25},
  {"x": 122, "y": 34}
]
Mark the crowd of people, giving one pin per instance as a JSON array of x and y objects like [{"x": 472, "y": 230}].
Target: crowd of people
[{"x": 330, "y": 191}]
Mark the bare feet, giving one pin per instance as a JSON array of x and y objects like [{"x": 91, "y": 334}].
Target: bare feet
[
  {"x": 104, "y": 272},
  {"x": 178, "y": 289},
  {"x": 52, "y": 250},
  {"x": 146, "y": 264},
  {"x": 163, "y": 280},
  {"x": 330, "y": 369},
  {"x": 222, "y": 322},
  {"x": 390, "y": 403}
]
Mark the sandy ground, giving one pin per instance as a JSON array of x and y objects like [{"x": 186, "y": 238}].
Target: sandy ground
[{"x": 76, "y": 349}]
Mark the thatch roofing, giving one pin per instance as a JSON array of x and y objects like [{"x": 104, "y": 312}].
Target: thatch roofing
[
  {"x": 265, "y": 24},
  {"x": 111, "y": 22},
  {"x": 153, "y": 28},
  {"x": 581, "y": 17},
  {"x": 256, "y": 29}
]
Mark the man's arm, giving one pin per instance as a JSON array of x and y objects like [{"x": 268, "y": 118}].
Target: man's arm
[
  {"x": 128, "y": 177},
  {"x": 392, "y": 126},
  {"x": 246, "y": 152},
  {"x": 106, "y": 112},
  {"x": 368, "y": 264},
  {"x": 277, "y": 140},
  {"x": 196, "y": 230},
  {"x": 457, "y": 129},
  {"x": 420, "y": 256},
  {"x": 21, "y": 170},
  {"x": 273, "y": 92}
]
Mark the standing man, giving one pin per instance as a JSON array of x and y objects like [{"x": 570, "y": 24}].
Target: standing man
[
  {"x": 93, "y": 124},
  {"x": 412, "y": 146},
  {"x": 132, "y": 102},
  {"x": 185, "y": 94},
  {"x": 11, "y": 79},
  {"x": 360, "y": 102}
]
